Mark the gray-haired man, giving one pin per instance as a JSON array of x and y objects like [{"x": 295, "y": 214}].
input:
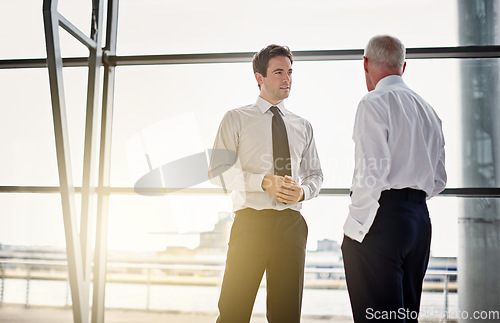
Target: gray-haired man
[{"x": 399, "y": 154}]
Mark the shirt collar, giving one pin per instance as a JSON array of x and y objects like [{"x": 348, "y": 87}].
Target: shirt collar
[
  {"x": 264, "y": 106},
  {"x": 389, "y": 80}
]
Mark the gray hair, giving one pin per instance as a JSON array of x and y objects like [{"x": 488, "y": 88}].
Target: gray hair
[{"x": 386, "y": 50}]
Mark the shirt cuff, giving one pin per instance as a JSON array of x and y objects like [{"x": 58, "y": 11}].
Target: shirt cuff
[
  {"x": 307, "y": 192},
  {"x": 255, "y": 183},
  {"x": 354, "y": 230}
]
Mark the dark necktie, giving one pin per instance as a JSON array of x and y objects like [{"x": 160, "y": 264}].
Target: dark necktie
[{"x": 281, "y": 150}]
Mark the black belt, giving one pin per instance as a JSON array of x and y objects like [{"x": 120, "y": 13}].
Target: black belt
[
  {"x": 408, "y": 194},
  {"x": 265, "y": 212}
]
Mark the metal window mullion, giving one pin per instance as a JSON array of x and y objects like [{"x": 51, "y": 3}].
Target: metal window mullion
[
  {"x": 75, "y": 32},
  {"x": 463, "y": 192},
  {"x": 73, "y": 248},
  {"x": 87, "y": 219},
  {"x": 460, "y": 52},
  {"x": 100, "y": 255}
]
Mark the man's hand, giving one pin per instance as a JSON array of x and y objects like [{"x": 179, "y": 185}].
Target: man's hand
[
  {"x": 272, "y": 184},
  {"x": 284, "y": 189},
  {"x": 291, "y": 192}
]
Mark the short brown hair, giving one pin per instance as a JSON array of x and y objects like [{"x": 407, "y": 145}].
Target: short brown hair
[{"x": 261, "y": 59}]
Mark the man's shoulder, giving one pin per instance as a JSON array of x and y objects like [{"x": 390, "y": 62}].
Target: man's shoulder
[
  {"x": 298, "y": 120},
  {"x": 252, "y": 106},
  {"x": 387, "y": 93},
  {"x": 403, "y": 96},
  {"x": 375, "y": 98},
  {"x": 246, "y": 109},
  {"x": 242, "y": 115}
]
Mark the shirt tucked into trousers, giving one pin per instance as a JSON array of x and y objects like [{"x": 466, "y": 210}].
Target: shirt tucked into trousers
[
  {"x": 399, "y": 163},
  {"x": 271, "y": 241},
  {"x": 384, "y": 274},
  {"x": 267, "y": 235}
]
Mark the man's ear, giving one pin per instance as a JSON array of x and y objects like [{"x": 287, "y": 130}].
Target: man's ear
[
  {"x": 404, "y": 66},
  {"x": 259, "y": 78},
  {"x": 365, "y": 63}
]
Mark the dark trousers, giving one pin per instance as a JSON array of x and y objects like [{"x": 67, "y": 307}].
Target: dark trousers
[
  {"x": 271, "y": 241},
  {"x": 385, "y": 272}
]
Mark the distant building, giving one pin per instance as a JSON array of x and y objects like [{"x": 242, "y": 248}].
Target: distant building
[
  {"x": 179, "y": 250},
  {"x": 218, "y": 238},
  {"x": 328, "y": 245}
]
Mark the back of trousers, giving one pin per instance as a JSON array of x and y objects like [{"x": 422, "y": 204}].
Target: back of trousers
[
  {"x": 385, "y": 272},
  {"x": 264, "y": 241}
]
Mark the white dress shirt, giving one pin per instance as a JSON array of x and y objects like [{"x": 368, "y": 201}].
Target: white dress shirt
[
  {"x": 246, "y": 134},
  {"x": 399, "y": 144}
]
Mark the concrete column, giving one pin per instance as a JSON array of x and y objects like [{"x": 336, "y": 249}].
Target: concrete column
[{"x": 479, "y": 221}]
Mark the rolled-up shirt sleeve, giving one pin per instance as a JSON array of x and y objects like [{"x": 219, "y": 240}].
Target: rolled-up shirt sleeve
[
  {"x": 225, "y": 168},
  {"x": 372, "y": 166}
]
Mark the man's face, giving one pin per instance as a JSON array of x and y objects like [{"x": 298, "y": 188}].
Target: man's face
[{"x": 275, "y": 87}]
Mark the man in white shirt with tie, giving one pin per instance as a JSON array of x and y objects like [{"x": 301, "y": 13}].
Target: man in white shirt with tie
[
  {"x": 399, "y": 164},
  {"x": 267, "y": 157}
]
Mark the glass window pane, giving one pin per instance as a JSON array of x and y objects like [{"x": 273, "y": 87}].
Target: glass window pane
[
  {"x": 152, "y": 223},
  {"x": 22, "y": 30},
  {"x": 155, "y": 27},
  {"x": 75, "y": 80},
  {"x": 32, "y": 243},
  {"x": 26, "y": 129},
  {"x": 26, "y": 126},
  {"x": 325, "y": 216},
  {"x": 33, "y": 220},
  {"x": 149, "y": 100},
  {"x": 79, "y": 14},
  {"x": 442, "y": 91},
  {"x": 194, "y": 26},
  {"x": 149, "y": 228},
  {"x": 170, "y": 112},
  {"x": 465, "y": 94},
  {"x": 480, "y": 117},
  {"x": 444, "y": 213},
  {"x": 177, "y": 220}
]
